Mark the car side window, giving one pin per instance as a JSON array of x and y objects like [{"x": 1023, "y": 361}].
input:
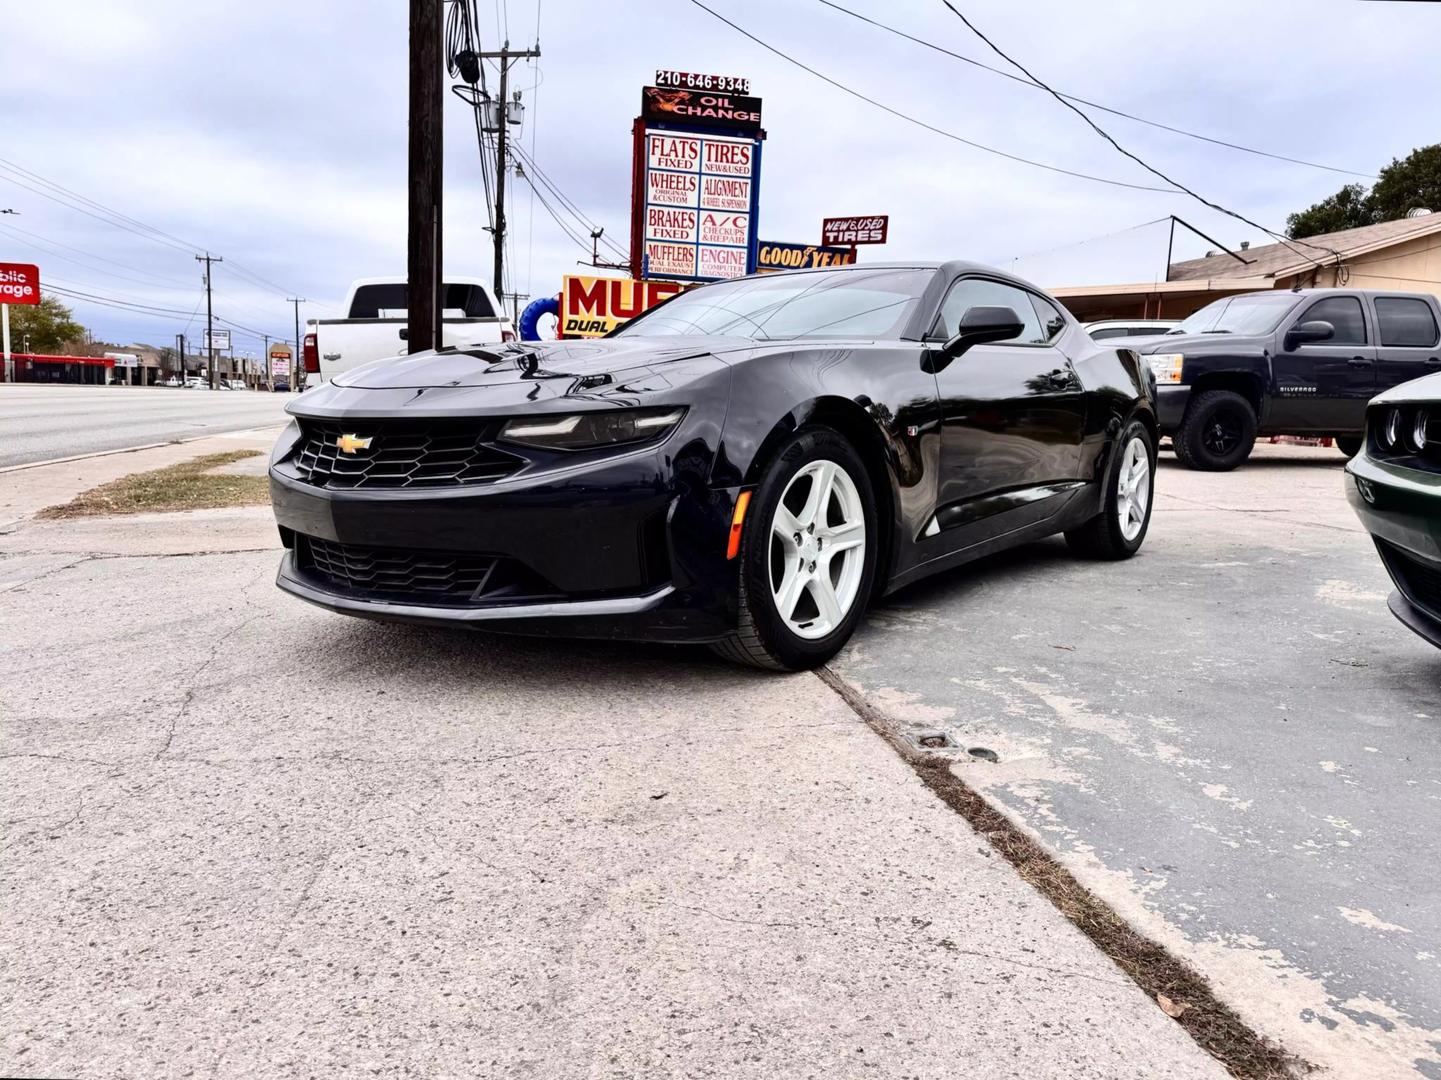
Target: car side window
[
  {"x": 978, "y": 292},
  {"x": 1405, "y": 321},
  {"x": 1052, "y": 321},
  {"x": 1342, "y": 312}
]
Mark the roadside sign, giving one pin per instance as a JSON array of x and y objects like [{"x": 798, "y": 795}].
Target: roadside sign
[
  {"x": 687, "y": 80},
  {"x": 219, "y": 340},
  {"x": 594, "y": 306},
  {"x": 855, "y": 230},
  {"x": 19, "y": 283},
  {"x": 775, "y": 256},
  {"x": 697, "y": 203},
  {"x": 279, "y": 361},
  {"x": 717, "y": 111}
]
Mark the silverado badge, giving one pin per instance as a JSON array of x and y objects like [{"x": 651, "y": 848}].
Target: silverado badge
[{"x": 349, "y": 444}]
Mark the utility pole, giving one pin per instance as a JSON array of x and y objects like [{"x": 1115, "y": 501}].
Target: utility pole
[
  {"x": 295, "y": 356},
  {"x": 423, "y": 246},
  {"x": 180, "y": 354},
  {"x": 515, "y": 298},
  {"x": 595, "y": 259},
  {"x": 502, "y": 117},
  {"x": 207, "y": 259}
]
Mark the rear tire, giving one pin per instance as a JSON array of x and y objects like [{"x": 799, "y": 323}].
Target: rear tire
[
  {"x": 1119, "y": 529},
  {"x": 1217, "y": 432},
  {"x": 1349, "y": 445},
  {"x": 825, "y": 587}
]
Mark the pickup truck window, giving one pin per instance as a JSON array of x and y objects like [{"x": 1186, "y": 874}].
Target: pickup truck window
[
  {"x": 1250, "y": 314},
  {"x": 1342, "y": 312},
  {"x": 390, "y": 297},
  {"x": 1406, "y": 322}
]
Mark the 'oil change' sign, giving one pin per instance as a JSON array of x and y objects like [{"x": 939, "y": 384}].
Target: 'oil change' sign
[{"x": 698, "y": 212}]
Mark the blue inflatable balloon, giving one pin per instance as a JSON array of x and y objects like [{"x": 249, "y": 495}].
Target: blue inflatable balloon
[{"x": 530, "y": 318}]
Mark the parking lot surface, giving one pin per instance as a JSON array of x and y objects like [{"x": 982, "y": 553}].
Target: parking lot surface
[
  {"x": 246, "y": 837},
  {"x": 1228, "y": 737},
  {"x": 41, "y": 422}
]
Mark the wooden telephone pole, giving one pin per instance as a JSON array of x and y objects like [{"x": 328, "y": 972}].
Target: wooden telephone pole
[
  {"x": 504, "y": 58},
  {"x": 423, "y": 247}
]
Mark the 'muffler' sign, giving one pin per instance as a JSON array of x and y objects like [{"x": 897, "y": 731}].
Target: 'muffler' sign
[{"x": 19, "y": 283}]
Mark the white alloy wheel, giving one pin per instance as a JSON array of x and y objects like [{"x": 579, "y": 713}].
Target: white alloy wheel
[
  {"x": 817, "y": 549},
  {"x": 1133, "y": 488}
]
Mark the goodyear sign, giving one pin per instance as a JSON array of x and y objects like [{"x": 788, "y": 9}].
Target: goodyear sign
[
  {"x": 775, "y": 257},
  {"x": 594, "y": 306}
]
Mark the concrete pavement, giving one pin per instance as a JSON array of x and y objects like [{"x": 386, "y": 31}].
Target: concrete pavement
[
  {"x": 1229, "y": 738},
  {"x": 42, "y": 422},
  {"x": 246, "y": 837}
]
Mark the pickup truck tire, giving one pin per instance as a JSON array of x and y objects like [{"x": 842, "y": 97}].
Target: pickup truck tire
[
  {"x": 1117, "y": 531},
  {"x": 1217, "y": 432},
  {"x": 1350, "y": 445}
]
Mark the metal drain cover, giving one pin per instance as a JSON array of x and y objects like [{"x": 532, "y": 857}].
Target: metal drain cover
[
  {"x": 931, "y": 739},
  {"x": 983, "y": 754}
]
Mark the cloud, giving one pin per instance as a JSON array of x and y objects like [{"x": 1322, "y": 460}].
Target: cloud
[{"x": 275, "y": 133}]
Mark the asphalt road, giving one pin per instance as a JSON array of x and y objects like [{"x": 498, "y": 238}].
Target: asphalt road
[
  {"x": 39, "y": 423},
  {"x": 1229, "y": 737}
]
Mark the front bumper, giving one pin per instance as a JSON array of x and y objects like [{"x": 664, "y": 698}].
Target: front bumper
[
  {"x": 630, "y": 547},
  {"x": 1401, "y": 509},
  {"x": 1171, "y": 401}
]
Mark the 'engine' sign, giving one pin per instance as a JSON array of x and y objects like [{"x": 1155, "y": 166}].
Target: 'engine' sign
[{"x": 19, "y": 283}]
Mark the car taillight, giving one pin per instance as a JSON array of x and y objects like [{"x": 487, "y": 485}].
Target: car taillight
[
  {"x": 310, "y": 354},
  {"x": 507, "y": 335}
]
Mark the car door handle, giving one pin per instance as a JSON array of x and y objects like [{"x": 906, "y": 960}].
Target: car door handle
[
  {"x": 1359, "y": 361},
  {"x": 1433, "y": 359}
]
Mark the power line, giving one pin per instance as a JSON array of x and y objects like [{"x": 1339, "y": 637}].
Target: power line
[
  {"x": 1121, "y": 149},
  {"x": 52, "y": 248},
  {"x": 566, "y": 201},
  {"x": 921, "y": 123},
  {"x": 1091, "y": 104}
]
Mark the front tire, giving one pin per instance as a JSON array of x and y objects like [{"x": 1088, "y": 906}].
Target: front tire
[
  {"x": 807, "y": 557},
  {"x": 1119, "y": 529},
  {"x": 1349, "y": 445},
  {"x": 1217, "y": 432}
]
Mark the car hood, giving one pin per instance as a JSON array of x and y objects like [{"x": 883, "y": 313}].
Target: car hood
[
  {"x": 1425, "y": 389},
  {"x": 527, "y": 364},
  {"x": 1197, "y": 344}
]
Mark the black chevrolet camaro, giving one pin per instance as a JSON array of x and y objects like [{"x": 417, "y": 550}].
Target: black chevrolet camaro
[{"x": 747, "y": 464}]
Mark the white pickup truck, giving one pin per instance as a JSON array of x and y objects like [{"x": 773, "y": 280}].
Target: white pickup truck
[{"x": 375, "y": 325}]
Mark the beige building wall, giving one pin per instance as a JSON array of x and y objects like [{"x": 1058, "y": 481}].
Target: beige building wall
[{"x": 1413, "y": 266}]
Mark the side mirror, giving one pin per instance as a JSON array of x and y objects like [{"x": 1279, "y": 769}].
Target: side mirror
[
  {"x": 980, "y": 325},
  {"x": 1315, "y": 330}
]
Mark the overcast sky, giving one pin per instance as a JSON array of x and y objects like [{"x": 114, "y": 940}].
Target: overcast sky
[{"x": 273, "y": 133}]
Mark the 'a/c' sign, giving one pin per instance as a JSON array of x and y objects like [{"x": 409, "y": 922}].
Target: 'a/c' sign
[{"x": 19, "y": 283}]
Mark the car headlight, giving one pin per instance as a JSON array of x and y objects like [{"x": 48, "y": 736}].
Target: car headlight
[
  {"x": 1418, "y": 430},
  {"x": 586, "y": 431},
  {"x": 1391, "y": 428},
  {"x": 1166, "y": 366}
]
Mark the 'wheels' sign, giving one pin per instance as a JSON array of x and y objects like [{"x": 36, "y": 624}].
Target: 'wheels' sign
[{"x": 19, "y": 283}]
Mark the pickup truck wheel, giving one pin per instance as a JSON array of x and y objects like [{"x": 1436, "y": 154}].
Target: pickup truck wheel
[
  {"x": 1349, "y": 445},
  {"x": 1217, "y": 432}
]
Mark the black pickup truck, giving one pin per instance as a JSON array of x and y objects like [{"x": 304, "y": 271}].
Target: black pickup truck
[{"x": 1286, "y": 363}]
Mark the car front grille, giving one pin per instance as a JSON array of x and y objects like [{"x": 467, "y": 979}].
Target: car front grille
[
  {"x": 421, "y": 577},
  {"x": 398, "y": 454},
  {"x": 1418, "y": 579}
]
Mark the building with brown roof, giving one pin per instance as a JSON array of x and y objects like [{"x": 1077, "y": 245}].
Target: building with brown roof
[{"x": 1404, "y": 255}]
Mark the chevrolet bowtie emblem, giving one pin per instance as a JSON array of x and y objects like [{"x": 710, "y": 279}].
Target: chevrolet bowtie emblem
[{"x": 349, "y": 444}]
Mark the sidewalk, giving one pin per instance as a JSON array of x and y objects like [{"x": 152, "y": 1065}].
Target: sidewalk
[{"x": 246, "y": 837}]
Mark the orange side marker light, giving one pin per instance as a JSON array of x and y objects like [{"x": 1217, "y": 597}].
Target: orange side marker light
[{"x": 738, "y": 519}]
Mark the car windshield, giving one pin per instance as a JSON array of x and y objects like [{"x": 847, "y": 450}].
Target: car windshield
[
  {"x": 1239, "y": 315},
  {"x": 836, "y": 304}
]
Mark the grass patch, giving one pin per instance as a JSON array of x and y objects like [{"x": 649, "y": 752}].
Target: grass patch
[
  {"x": 1178, "y": 990},
  {"x": 187, "y": 486}
]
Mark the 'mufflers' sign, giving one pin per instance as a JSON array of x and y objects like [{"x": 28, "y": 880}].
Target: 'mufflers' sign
[{"x": 594, "y": 306}]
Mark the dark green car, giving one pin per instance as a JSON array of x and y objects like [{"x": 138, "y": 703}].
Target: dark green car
[{"x": 1394, "y": 484}]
